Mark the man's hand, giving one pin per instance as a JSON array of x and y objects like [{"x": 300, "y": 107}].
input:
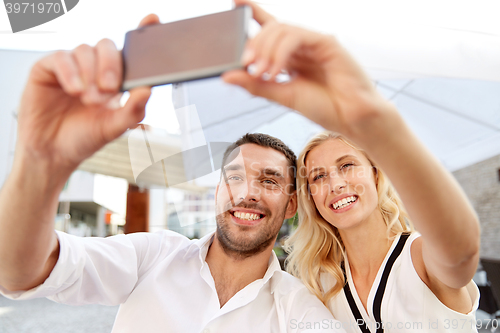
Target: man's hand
[
  {"x": 326, "y": 84},
  {"x": 70, "y": 107}
]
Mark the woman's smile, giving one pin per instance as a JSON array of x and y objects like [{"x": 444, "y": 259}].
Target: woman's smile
[{"x": 343, "y": 203}]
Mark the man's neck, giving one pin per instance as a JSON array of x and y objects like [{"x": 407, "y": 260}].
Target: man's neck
[{"x": 232, "y": 273}]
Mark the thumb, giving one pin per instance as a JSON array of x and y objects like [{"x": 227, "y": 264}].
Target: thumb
[
  {"x": 278, "y": 92},
  {"x": 119, "y": 120}
]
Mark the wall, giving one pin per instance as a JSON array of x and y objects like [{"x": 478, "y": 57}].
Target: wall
[{"x": 481, "y": 183}]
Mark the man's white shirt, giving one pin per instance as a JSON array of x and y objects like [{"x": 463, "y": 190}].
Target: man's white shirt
[{"x": 164, "y": 284}]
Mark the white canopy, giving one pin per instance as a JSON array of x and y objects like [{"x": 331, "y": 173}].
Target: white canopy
[{"x": 458, "y": 120}]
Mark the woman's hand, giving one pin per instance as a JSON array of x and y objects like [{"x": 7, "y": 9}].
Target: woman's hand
[
  {"x": 326, "y": 85},
  {"x": 70, "y": 107}
]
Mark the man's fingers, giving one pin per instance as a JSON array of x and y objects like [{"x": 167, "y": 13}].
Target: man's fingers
[
  {"x": 259, "y": 14},
  {"x": 62, "y": 67},
  {"x": 119, "y": 120},
  {"x": 149, "y": 20},
  {"x": 85, "y": 58},
  {"x": 109, "y": 66}
]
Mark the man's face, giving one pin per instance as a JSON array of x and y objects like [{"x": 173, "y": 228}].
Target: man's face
[{"x": 253, "y": 198}]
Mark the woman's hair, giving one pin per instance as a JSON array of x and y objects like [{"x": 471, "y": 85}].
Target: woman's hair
[{"x": 316, "y": 247}]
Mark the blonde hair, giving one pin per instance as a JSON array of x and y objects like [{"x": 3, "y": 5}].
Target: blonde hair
[{"x": 316, "y": 247}]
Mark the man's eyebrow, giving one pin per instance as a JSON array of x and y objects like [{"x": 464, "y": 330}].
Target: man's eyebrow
[
  {"x": 273, "y": 172},
  {"x": 233, "y": 167}
]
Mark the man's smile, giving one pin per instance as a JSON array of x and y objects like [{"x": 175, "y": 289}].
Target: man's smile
[{"x": 247, "y": 217}]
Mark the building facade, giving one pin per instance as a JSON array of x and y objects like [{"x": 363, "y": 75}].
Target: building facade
[{"x": 481, "y": 183}]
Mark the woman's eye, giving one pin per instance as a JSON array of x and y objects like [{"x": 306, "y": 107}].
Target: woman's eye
[
  {"x": 234, "y": 178},
  {"x": 318, "y": 177},
  {"x": 347, "y": 165}
]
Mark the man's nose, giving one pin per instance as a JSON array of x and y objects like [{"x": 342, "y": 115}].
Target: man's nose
[{"x": 253, "y": 191}]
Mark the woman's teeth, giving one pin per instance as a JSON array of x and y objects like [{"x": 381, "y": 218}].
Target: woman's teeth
[
  {"x": 344, "y": 202},
  {"x": 247, "y": 216}
]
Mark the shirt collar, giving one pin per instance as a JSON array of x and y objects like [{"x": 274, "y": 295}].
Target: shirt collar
[{"x": 273, "y": 265}]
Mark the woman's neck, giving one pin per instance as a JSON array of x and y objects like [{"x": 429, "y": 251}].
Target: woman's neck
[{"x": 366, "y": 246}]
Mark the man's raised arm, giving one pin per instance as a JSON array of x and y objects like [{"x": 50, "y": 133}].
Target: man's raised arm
[{"x": 69, "y": 110}]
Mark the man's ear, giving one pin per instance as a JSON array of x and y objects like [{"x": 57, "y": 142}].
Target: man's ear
[{"x": 291, "y": 209}]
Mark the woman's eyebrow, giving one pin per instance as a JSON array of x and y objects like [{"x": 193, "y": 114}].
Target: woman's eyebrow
[
  {"x": 315, "y": 169},
  {"x": 337, "y": 161},
  {"x": 344, "y": 157}
]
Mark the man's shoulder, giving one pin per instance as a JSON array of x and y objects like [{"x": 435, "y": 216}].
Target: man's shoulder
[
  {"x": 287, "y": 284},
  {"x": 161, "y": 236},
  {"x": 301, "y": 306},
  {"x": 163, "y": 242}
]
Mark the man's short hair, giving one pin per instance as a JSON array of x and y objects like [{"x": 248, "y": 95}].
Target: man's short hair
[{"x": 266, "y": 141}]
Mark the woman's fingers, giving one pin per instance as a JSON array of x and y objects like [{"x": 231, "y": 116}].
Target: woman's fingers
[
  {"x": 265, "y": 20},
  {"x": 260, "y": 15},
  {"x": 282, "y": 54},
  {"x": 280, "y": 93},
  {"x": 151, "y": 19},
  {"x": 264, "y": 44},
  {"x": 274, "y": 46}
]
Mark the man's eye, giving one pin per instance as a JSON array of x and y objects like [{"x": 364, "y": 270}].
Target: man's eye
[{"x": 270, "y": 182}]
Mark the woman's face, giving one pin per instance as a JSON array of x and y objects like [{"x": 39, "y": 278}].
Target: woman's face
[{"x": 342, "y": 184}]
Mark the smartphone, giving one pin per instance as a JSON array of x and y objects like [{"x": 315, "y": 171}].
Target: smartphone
[{"x": 191, "y": 49}]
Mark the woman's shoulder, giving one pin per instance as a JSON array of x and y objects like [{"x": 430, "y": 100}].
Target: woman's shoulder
[{"x": 411, "y": 278}]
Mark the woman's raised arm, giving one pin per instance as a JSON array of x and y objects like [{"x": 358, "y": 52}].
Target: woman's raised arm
[{"x": 330, "y": 88}]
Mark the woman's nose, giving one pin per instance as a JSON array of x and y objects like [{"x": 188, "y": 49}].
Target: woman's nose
[{"x": 337, "y": 182}]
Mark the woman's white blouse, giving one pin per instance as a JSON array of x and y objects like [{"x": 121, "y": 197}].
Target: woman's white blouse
[{"x": 408, "y": 305}]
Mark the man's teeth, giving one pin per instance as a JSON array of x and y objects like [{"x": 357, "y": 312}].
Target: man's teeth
[
  {"x": 344, "y": 202},
  {"x": 247, "y": 216}
]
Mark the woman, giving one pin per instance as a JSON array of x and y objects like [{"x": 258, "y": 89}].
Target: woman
[
  {"x": 351, "y": 222},
  {"x": 428, "y": 286}
]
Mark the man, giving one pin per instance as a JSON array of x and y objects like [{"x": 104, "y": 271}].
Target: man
[
  {"x": 230, "y": 281},
  {"x": 227, "y": 282}
]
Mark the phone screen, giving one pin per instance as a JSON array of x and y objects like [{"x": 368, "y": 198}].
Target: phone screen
[{"x": 185, "y": 50}]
